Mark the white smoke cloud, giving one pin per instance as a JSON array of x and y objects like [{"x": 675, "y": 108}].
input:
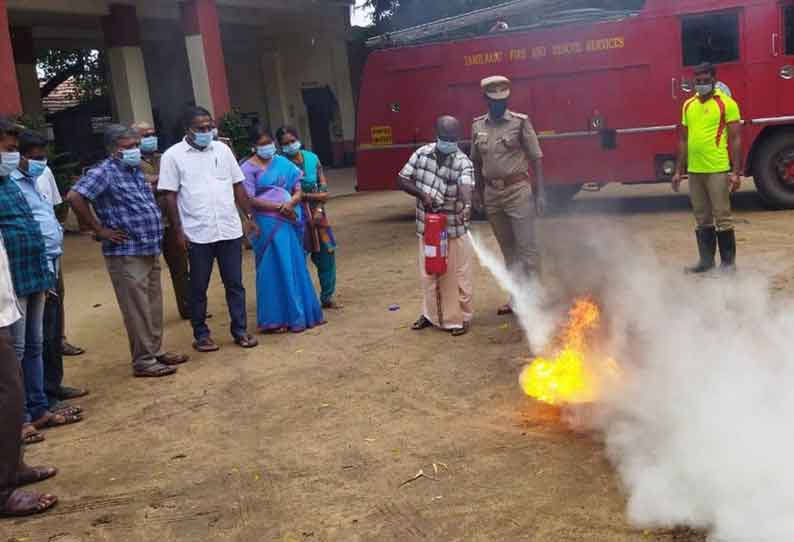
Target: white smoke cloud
[{"x": 700, "y": 425}]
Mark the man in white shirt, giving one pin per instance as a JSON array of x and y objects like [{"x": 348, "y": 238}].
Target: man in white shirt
[{"x": 204, "y": 187}]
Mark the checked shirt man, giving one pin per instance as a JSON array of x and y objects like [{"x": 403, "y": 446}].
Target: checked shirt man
[
  {"x": 131, "y": 231},
  {"x": 441, "y": 177}
]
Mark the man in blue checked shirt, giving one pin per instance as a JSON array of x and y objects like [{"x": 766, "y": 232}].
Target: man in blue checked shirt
[{"x": 131, "y": 231}]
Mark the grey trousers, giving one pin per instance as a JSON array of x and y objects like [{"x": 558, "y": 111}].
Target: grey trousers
[
  {"x": 136, "y": 281},
  {"x": 512, "y": 216}
]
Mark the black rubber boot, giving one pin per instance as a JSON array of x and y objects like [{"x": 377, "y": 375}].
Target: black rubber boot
[
  {"x": 727, "y": 243},
  {"x": 707, "y": 248}
]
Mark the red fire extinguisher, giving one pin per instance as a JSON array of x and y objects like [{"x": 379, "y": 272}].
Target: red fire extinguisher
[{"x": 436, "y": 243}]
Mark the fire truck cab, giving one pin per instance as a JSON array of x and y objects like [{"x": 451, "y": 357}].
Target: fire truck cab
[{"x": 604, "y": 90}]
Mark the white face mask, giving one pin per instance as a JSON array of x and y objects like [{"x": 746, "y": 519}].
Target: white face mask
[
  {"x": 9, "y": 161},
  {"x": 704, "y": 90}
]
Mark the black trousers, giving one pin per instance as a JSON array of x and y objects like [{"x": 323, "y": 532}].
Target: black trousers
[
  {"x": 12, "y": 401},
  {"x": 52, "y": 352},
  {"x": 230, "y": 262}
]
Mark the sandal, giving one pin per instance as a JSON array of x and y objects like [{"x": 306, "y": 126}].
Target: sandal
[
  {"x": 246, "y": 341},
  {"x": 422, "y": 323},
  {"x": 155, "y": 370},
  {"x": 170, "y": 358},
  {"x": 67, "y": 392},
  {"x": 332, "y": 305},
  {"x": 56, "y": 419},
  {"x": 461, "y": 331},
  {"x": 70, "y": 349},
  {"x": 205, "y": 344},
  {"x": 65, "y": 408},
  {"x": 34, "y": 475},
  {"x": 504, "y": 310},
  {"x": 24, "y": 503},
  {"x": 30, "y": 435}
]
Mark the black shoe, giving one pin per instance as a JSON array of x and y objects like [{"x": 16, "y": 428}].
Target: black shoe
[
  {"x": 707, "y": 248},
  {"x": 727, "y": 244}
]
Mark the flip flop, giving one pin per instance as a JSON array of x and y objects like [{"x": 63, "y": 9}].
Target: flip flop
[
  {"x": 461, "y": 331},
  {"x": 171, "y": 358},
  {"x": 30, "y": 435},
  {"x": 24, "y": 503},
  {"x": 422, "y": 323},
  {"x": 332, "y": 305},
  {"x": 71, "y": 350},
  {"x": 504, "y": 310},
  {"x": 34, "y": 475},
  {"x": 155, "y": 370},
  {"x": 67, "y": 392},
  {"x": 56, "y": 419},
  {"x": 205, "y": 345},
  {"x": 246, "y": 341}
]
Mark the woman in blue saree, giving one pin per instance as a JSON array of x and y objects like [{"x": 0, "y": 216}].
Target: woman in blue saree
[{"x": 285, "y": 296}]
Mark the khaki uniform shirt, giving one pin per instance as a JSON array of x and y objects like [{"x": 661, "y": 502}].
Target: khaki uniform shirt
[
  {"x": 150, "y": 166},
  {"x": 502, "y": 149}
]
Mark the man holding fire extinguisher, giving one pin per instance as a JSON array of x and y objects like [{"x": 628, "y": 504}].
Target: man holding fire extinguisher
[
  {"x": 504, "y": 143},
  {"x": 441, "y": 178}
]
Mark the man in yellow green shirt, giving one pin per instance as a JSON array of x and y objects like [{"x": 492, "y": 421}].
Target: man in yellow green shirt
[{"x": 710, "y": 147}]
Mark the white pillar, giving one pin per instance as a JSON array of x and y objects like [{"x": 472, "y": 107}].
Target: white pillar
[
  {"x": 199, "y": 74},
  {"x": 130, "y": 85}
]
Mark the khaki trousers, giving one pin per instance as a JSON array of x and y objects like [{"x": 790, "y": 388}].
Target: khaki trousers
[
  {"x": 711, "y": 200},
  {"x": 454, "y": 289},
  {"x": 512, "y": 216},
  {"x": 136, "y": 280}
]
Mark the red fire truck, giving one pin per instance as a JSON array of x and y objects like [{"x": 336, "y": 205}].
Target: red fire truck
[{"x": 604, "y": 90}]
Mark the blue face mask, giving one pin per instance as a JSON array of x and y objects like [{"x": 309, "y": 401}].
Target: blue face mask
[
  {"x": 497, "y": 108},
  {"x": 446, "y": 147},
  {"x": 292, "y": 149},
  {"x": 36, "y": 167},
  {"x": 9, "y": 161},
  {"x": 266, "y": 152},
  {"x": 202, "y": 139},
  {"x": 131, "y": 157},
  {"x": 149, "y": 144}
]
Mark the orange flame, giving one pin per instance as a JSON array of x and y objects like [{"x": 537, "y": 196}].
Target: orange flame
[{"x": 570, "y": 376}]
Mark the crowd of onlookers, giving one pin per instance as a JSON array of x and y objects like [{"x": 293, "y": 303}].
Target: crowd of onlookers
[{"x": 195, "y": 204}]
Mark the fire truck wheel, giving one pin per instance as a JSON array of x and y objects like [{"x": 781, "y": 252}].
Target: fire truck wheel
[
  {"x": 774, "y": 171},
  {"x": 558, "y": 197}
]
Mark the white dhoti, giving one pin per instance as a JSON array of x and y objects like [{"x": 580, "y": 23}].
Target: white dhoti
[{"x": 447, "y": 299}]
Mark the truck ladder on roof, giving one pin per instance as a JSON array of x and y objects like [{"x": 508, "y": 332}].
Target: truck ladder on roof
[{"x": 456, "y": 22}]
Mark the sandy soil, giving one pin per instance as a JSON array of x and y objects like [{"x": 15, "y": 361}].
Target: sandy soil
[{"x": 309, "y": 437}]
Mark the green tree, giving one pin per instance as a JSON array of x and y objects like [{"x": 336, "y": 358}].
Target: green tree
[{"x": 85, "y": 66}]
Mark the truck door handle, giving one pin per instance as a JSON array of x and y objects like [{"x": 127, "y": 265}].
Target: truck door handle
[
  {"x": 674, "y": 89},
  {"x": 775, "y": 37}
]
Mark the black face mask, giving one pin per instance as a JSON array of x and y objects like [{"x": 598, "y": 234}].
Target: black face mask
[{"x": 497, "y": 108}]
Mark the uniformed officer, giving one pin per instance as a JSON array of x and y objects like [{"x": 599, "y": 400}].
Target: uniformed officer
[{"x": 503, "y": 144}]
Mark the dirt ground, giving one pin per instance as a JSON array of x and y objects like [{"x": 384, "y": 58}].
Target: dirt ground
[{"x": 309, "y": 437}]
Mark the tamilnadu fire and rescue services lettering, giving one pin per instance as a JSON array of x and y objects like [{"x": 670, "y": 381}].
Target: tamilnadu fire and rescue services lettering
[{"x": 542, "y": 51}]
